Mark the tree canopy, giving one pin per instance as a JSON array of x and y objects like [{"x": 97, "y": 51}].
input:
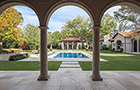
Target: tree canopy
[
  {"x": 32, "y": 36},
  {"x": 78, "y": 27},
  {"x": 109, "y": 25},
  {"x": 128, "y": 18},
  {"x": 9, "y": 30}
]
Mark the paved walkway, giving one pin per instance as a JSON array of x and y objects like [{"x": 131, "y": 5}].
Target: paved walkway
[
  {"x": 138, "y": 53},
  {"x": 69, "y": 79}
]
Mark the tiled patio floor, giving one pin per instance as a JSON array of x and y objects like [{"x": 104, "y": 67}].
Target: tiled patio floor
[{"x": 69, "y": 79}]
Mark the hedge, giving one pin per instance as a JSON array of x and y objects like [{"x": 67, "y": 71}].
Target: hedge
[{"x": 18, "y": 56}]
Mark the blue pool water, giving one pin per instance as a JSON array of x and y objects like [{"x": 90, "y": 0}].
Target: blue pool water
[{"x": 71, "y": 55}]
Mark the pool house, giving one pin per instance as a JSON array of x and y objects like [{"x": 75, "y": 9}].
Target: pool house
[{"x": 71, "y": 43}]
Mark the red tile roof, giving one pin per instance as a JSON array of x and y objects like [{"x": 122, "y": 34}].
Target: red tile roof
[
  {"x": 101, "y": 39},
  {"x": 126, "y": 34},
  {"x": 71, "y": 39},
  {"x": 111, "y": 38}
]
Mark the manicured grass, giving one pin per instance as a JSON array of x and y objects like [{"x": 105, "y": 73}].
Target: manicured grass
[
  {"x": 115, "y": 61},
  {"x": 27, "y": 65}
]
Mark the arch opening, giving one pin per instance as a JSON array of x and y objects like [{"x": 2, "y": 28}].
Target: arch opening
[
  {"x": 69, "y": 14},
  {"x": 118, "y": 31},
  {"x": 15, "y": 19}
]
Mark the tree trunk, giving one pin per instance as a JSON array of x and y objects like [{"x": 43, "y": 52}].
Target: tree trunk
[{"x": 0, "y": 45}]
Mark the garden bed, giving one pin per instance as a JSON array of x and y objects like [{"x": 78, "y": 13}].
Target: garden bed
[
  {"x": 16, "y": 57},
  {"x": 12, "y": 50}
]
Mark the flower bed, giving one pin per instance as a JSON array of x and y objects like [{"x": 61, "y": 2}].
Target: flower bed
[
  {"x": 18, "y": 56},
  {"x": 11, "y": 50}
]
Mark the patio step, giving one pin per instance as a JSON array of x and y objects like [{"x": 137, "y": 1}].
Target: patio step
[
  {"x": 69, "y": 65},
  {"x": 70, "y": 69}
]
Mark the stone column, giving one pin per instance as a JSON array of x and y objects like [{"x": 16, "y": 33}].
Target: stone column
[
  {"x": 96, "y": 55},
  {"x": 43, "y": 55},
  {"x": 138, "y": 45}
]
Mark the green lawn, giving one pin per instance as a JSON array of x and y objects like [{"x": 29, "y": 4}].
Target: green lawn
[
  {"x": 27, "y": 65},
  {"x": 115, "y": 61}
]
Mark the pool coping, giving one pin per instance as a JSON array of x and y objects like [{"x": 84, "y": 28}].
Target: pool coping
[{"x": 51, "y": 57}]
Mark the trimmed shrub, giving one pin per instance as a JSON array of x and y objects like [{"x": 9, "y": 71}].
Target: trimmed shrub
[
  {"x": 18, "y": 56},
  {"x": 120, "y": 50},
  {"x": 110, "y": 47}
]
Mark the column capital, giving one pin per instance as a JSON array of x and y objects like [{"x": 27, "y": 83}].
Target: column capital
[
  {"x": 96, "y": 27},
  {"x": 43, "y": 27}
]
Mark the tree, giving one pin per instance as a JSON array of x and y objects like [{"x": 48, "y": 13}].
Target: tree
[
  {"x": 32, "y": 36},
  {"x": 128, "y": 18},
  {"x": 56, "y": 36},
  {"x": 9, "y": 30},
  {"x": 109, "y": 25},
  {"x": 53, "y": 38},
  {"x": 78, "y": 27}
]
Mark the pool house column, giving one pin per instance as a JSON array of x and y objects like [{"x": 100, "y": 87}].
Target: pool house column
[
  {"x": 96, "y": 55},
  {"x": 77, "y": 47},
  {"x": 72, "y": 44},
  {"x": 67, "y": 45},
  {"x": 43, "y": 55}
]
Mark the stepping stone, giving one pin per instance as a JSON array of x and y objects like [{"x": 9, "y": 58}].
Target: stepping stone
[
  {"x": 69, "y": 66},
  {"x": 69, "y": 69},
  {"x": 70, "y": 63}
]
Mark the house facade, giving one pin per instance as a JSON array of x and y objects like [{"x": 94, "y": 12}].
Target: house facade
[{"x": 128, "y": 41}]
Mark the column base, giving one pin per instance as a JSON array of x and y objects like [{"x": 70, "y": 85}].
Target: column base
[
  {"x": 96, "y": 78},
  {"x": 43, "y": 78}
]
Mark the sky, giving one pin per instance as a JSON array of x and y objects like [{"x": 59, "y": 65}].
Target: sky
[{"x": 58, "y": 18}]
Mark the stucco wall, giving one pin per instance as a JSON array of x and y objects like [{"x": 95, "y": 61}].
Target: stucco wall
[
  {"x": 126, "y": 43},
  {"x": 118, "y": 37}
]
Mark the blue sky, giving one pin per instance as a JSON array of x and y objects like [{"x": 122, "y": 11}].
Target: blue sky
[{"x": 58, "y": 18}]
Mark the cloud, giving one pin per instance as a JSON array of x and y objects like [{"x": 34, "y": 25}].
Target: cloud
[
  {"x": 68, "y": 12},
  {"x": 29, "y": 16},
  {"x": 54, "y": 25},
  {"x": 58, "y": 18},
  {"x": 61, "y": 15}
]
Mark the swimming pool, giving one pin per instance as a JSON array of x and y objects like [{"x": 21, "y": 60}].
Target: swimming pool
[{"x": 70, "y": 55}]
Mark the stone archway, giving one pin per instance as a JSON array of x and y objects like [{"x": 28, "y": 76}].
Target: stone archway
[
  {"x": 7, "y": 3},
  {"x": 44, "y": 8},
  {"x": 10, "y": 3}
]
